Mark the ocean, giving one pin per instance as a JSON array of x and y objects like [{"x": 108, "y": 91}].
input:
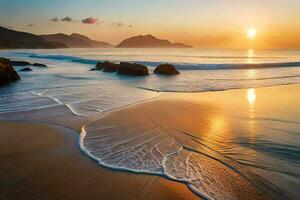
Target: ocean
[{"x": 68, "y": 81}]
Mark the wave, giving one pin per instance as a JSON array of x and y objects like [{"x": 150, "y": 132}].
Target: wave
[
  {"x": 180, "y": 66},
  {"x": 149, "y": 149},
  {"x": 253, "y": 79},
  {"x": 64, "y": 58}
]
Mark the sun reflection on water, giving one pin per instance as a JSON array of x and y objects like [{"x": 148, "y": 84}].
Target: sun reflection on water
[
  {"x": 250, "y": 55},
  {"x": 251, "y": 96}
]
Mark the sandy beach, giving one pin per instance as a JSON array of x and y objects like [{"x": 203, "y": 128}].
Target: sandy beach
[
  {"x": 41, "y": 159},
  {"x": 44, "y": 162}
]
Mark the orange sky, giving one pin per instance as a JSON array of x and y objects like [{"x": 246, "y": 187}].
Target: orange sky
[{"x": 201, "y": 23}]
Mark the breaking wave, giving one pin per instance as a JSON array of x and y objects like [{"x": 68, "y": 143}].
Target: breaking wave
[{"x": 180, "y": 66}]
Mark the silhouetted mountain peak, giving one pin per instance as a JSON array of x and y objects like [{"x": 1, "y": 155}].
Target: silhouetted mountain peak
[
  {"x": 17, "y": 39},
  {"x": 149, "y": 41}
]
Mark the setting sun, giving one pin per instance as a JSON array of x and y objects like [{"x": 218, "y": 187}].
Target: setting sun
[{"x": 251, "y": 33}]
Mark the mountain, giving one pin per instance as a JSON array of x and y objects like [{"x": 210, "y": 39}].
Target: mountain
[
  {"x": 11, "y": 39},
  {"x": 149, "y": 41},
  {"x": 75, "y": 40}
]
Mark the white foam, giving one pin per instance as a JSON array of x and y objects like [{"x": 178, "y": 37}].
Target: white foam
[{"x": 138, "y": 154}]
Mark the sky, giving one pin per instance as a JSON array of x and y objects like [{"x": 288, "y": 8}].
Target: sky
[{"x": 200, "y": 23}]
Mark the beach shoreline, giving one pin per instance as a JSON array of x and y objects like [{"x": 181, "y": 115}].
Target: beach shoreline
[{"x": 178, "y": 105}]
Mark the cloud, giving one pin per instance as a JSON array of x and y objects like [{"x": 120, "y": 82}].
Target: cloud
[
  {"x": 67, "y": 19},
  {"x": 117, "y": 24},
  {"x": 120, "y": 24},
  {"x": 90, "y": 20},
  {"x": 54, "y": 19}
]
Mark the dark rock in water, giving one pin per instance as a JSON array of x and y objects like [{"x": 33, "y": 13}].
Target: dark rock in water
[
  {"x": 133, "y": 69},
  {"x": 4, "y": 61},
  {"x": 39, "y": 65},
  {"x": 26, "y": 69},
  {"x": 93, "y": 69},
  {"x": 107, "y": 66},
  {"x": 19, "y": 63},
  {"x": 7, "y": 72},
  {"x": 166, "y": 69}
]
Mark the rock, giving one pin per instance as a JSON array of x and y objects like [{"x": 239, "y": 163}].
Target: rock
[
  {"x": 93, "y": 69},
  {"x": 39, "y": 65},
  {"x": 133, "y": 69},
  {"x": 107, "y": 66},
  {"x": 4, "y": 61},
  {"x": 7, "y": 72},
  {"x": 19, "y": 63},
  {"x": 166, "y": 69},
  {"x": 26, "y": 69}
]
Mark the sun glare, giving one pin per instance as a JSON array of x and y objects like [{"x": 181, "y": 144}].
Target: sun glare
[{"x": 251, "y": 33}]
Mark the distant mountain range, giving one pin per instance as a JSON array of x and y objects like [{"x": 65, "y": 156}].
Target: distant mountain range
[
  {"x": 10, "y": 39},
  {"x": 75, "y": 40},
  {"x": 149, "y": 41}
]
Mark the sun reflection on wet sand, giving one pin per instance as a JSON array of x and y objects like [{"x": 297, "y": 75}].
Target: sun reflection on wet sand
[{"x": 251, "y": 97}]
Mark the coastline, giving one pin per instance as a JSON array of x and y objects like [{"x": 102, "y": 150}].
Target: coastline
[
  {"x": 47, "y": 158},
  {"x": 206, "y": 107}
]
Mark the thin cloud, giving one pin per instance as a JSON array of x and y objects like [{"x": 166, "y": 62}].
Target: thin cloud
[
  {"x": 67, "y": 19},
  {"x": 118, "y": 24},
  {"x": 90, "y": 20},
  {"x": 54, "y": 19},
  {"x": 30, "y": 25}
]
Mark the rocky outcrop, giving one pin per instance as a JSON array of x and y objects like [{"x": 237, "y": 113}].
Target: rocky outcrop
[
  {"x": 107, "y": 66},
  {"x": 124, "y": 68},
  {"x": 26, "y": 69},
  {"x": 7, "y": 72},
  {"x": 39, "y": 65},
  {"x": 166, "y": 69},
  {"x": 19, "y": 63},
  {"x": 133, "y": 69}
]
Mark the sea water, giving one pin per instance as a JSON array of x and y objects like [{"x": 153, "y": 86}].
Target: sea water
[{"x": 68, "y": 81}]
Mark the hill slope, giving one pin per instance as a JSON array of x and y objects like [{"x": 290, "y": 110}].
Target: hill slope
[
  {"x": 75, "y": 40},
  {"x": 149, "y": 41},
  {"x": 11, "y": 39}
]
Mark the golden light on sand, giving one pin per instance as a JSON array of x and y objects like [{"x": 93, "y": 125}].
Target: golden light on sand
[{"x": 251, "y": 33}]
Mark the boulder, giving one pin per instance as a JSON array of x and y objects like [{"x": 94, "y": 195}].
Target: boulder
[
  {"x": 166, "y": 69},
  {"x": 107, "y": 66},
  {"x": 26, "y": 69},
  {"x": 39, "y": 65},
  {"x": 133, "y": 69},
  {"x": 93, "y": 69},
  {"x": 19, "y": 63},
  {"x": 7, "y": 72}
]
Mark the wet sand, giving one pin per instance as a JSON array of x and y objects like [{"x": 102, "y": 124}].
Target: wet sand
[
  {"x": 43, "y": 161},
  {"x": 39, "y": 161}
]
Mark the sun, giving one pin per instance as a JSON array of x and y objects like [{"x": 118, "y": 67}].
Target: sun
[{"x": 251, "y": 33}]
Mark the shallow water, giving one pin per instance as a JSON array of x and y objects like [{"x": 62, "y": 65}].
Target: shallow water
[{"x": 260, "y": 140}]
